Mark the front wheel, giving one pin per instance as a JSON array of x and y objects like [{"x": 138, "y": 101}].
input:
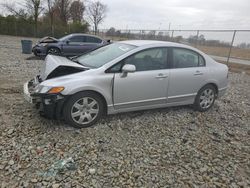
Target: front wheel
[
  {"x": 83, "y": 109},
  {"x": 54, "y": 51},
  {"x": 205, "y": 98}
]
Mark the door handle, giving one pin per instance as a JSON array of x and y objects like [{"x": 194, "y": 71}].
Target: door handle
[
  {"x": 161, "y": 76},
  {"x": 197, "y": 73}
]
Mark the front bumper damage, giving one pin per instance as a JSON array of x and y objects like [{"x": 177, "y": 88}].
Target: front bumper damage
[
  {"x": 49, "y": 105},
  {"x": 39, "y": 50}
]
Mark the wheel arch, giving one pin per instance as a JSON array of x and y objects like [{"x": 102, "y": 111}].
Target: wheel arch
[
  {"x": 97, "y": 93},
  {"x": 49, "y": 47},
  {"x": 214, "y": 85}
]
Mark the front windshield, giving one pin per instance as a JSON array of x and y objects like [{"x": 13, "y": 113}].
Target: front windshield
[
  {"x": 64, "y": 38},
  {"x": 103, "y": 55}
]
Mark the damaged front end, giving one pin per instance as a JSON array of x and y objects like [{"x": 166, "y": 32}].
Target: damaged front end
[
  {"x": 48, "y": 104},
  {"x": 48, "y": 99},
  {"x": 40, "y": 49}
]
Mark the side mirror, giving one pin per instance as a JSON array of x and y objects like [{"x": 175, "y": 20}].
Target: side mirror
[
  {"x": 67, "y": 41},
  {"x": 128, "y": 68}
]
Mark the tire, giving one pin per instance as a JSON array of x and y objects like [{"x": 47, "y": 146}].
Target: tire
[
  {"x": 35, "y": 53},
  {"x": 83, "y": 109},
  {"x": 53, "y": 51},
  {"x": 205, "y": 98}
]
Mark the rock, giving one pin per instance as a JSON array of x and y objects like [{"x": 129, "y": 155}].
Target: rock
[
  {"x": 230, "y": 133},
  {"x": 2, "y": 167},
  {"x": 10, "y": 131},
  {"x": 56, "y": 185},
  {"x": 34, "y": 180},
  {"x": 92, "y": 171},
  {"x": 25, "y": 184},
  {"x": 204, "y": 169},
  {"x": 11, "y": 162}
]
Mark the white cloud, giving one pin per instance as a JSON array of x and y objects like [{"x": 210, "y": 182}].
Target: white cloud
[{"x": 183, "y": 14}]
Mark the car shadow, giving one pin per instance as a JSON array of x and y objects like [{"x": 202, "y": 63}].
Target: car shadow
[
  {"x": 135, "y": 114},
  {"x": 35, "y": 58}
]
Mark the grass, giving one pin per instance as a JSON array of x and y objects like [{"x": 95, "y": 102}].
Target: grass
[
  {"x": 223, "y": 51},
  {"x": 239, "y": 68}
]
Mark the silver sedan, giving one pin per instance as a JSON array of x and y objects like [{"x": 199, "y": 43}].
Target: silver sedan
[{"x": 126, "y": 76}]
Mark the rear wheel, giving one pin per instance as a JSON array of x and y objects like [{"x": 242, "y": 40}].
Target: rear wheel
[
  {"x": 54, "y": 51},
  {"x": 83, "y": 109},
  {"x": 205, "y": 98}
]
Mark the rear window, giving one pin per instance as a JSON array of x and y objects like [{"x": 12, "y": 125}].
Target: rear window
[{"x": 93, "y": 40}]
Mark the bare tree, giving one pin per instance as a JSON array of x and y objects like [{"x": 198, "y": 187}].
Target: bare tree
[
  {"x": 76, "y": 11},
  {"x": 34, "y": 8},
  {"x": 63, "y": 7},
  {"x": 51, "y": 10},
  {"x": 96, "y": 13}
]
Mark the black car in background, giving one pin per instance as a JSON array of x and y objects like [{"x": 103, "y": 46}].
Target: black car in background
[{"x": 69, "y": 45}]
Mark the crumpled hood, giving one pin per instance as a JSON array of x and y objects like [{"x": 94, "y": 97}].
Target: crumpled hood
[
  {"x": 48, "y": 40},
  {"x": 53, "y": 62}
]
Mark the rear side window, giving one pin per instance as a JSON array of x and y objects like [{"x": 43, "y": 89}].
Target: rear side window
[
  {"x": 184, "y": 58},
  {"x": 77, "y": 39},
  {"x": 93, "y": 40},
  {"x": 201, "y": 61}
]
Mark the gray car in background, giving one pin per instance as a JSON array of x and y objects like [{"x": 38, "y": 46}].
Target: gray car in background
[
  {"x": 126, "y": 76},
  {"x": 69, "y": 45}
]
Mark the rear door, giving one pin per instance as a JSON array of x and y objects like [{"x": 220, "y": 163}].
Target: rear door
[{"x": 187, "y": 75}]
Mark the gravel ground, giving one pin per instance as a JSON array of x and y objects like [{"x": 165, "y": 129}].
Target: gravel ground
[{"x": 172, "y": 147}]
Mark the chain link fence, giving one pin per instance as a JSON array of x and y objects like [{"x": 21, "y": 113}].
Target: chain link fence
[{"x": 223, "y": 45}]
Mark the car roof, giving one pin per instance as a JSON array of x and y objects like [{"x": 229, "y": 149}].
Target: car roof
[
  {"x": 156, "y": 43},
  {"x": 83, "y": 34},
  {"x": 139, "y": 43}
]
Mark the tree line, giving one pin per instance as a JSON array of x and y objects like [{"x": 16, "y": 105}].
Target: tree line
[{"x": 51, "y": 17}]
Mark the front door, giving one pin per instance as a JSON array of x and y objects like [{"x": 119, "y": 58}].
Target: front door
[
  {"x": 74, "y": 45},
  {"x": 146, "y": 86}
]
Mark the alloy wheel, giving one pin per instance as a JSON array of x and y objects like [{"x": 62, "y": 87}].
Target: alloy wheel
[
  {"x": 53, "y": 51},
  {"x": 207, "y": 98},
  {"x": 85, "y": 110}
]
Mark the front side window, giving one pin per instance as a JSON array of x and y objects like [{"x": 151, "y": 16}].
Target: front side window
[
  {"x": 151, "y": 59},
  {"x": 184, "y": 58}
]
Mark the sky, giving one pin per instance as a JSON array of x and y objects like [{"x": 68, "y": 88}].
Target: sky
[
  {"x": 180, "y": 14},
  {"x": 176, "y": 14}
]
